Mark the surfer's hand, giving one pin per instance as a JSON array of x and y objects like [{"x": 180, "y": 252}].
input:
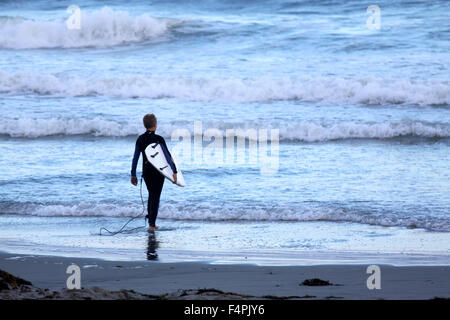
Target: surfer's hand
[
  {"x": 174, "y": 178},
  {"x": 134, "y": 181}
]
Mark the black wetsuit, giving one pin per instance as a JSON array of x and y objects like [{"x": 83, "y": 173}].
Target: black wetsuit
[{"x": 152, "y": 177}]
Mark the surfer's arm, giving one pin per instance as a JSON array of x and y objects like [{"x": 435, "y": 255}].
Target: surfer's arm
[
  {"x": 168, "y": 156},
  {"x": 137, "y": 152}
]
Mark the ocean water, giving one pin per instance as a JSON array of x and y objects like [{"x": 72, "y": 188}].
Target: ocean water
[{"x": 359, "y": 159}]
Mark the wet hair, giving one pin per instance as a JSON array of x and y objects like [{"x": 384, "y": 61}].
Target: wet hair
[{"x": 149, "y": 120}]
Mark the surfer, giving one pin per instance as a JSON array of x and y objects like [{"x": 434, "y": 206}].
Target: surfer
[{"x": 154, "y": 180}]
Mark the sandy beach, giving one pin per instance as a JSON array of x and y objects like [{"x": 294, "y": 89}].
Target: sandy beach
[{"x": 238, "y": 281}]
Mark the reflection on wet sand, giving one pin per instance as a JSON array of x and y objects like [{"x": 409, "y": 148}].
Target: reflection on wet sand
[{"x": 152, "y": 246}]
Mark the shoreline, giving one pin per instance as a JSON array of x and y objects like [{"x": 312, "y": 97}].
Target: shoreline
[
  {"x": 261, "y": 256},
  {"x": 244, "y": 281},
  {"x": 262, "y": 243}
]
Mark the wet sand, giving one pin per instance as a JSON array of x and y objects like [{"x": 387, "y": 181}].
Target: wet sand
[{"x": 236, "y": 281}]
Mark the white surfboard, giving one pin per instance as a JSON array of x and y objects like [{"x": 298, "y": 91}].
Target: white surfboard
[{"x": 155, "y": 156}]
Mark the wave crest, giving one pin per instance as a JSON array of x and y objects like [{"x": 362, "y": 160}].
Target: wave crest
[
  {"x": 105, "y": 27},
  {"x": 371, "y": 91},
  {"x": 214, "y": 213},
  {"x": 302, "y": 131}
]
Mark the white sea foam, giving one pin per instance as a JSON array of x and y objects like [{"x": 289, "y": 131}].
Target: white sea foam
[
  {"x": 370, "y": 91},
  {"x": 105, "y": 27},
  {"x": 301, "y": 131},
  {"x": 34, "y": 128},
  {"x": 206, "y": 212}
]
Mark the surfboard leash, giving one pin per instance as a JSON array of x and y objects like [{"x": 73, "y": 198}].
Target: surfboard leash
[{"x": 123, "y": 230}]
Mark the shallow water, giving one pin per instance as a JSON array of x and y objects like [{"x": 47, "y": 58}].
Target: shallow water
[{"x": 263, "y": 243}]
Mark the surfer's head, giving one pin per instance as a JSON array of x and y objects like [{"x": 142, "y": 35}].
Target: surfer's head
[{"x": 150, "y": 121}]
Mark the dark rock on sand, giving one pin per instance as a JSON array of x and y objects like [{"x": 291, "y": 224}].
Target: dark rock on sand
[
  {"x": 8, "y": 281},
  {"x": 14, "y": 288},
  {"x": 316, "y": 282}
]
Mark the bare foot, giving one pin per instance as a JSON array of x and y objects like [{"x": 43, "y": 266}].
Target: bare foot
[{"x": 153, "y": 228}]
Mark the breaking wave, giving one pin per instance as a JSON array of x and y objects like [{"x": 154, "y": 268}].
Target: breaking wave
[
  {"x": 370, "y": 91},
  {"x": 222, "y": 213},
  {"x": 100, "y": 28},
  {"x": 302, "y": 131}
]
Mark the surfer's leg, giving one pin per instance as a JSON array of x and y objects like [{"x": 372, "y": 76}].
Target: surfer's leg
[
  {"x": 147, "y": 180},
  {"x": 157, "y": 188},
  {"x": 154, "y": 187}
]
